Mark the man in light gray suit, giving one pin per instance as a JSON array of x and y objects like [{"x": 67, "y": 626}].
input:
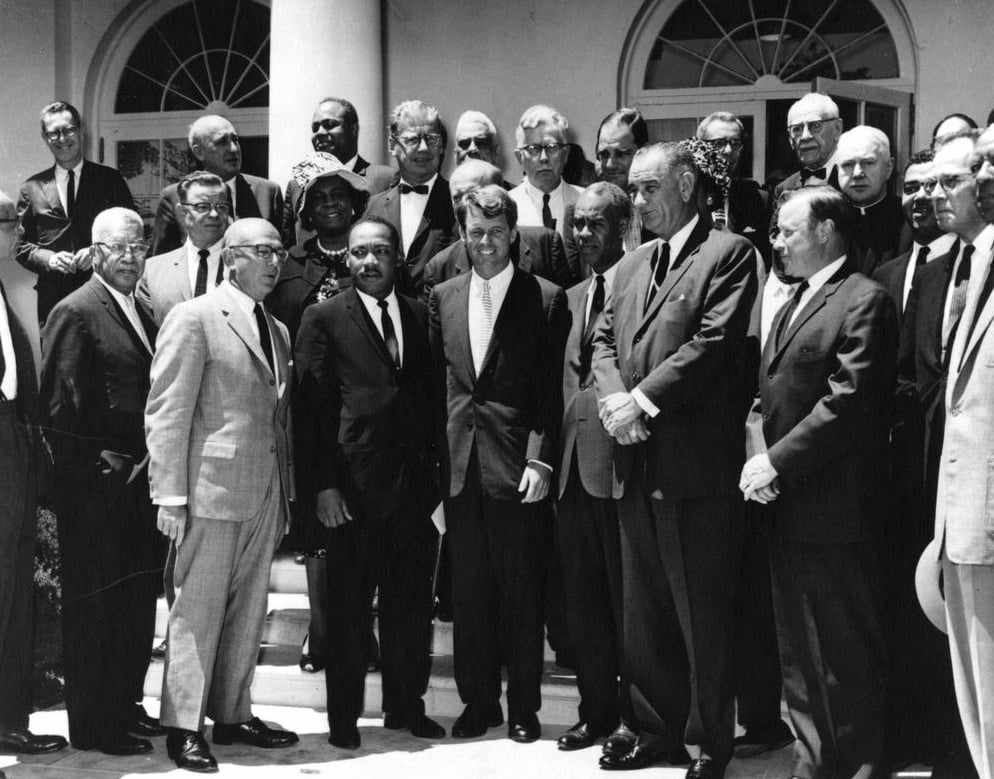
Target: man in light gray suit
[
  {"x": 964, "y": 504},
  {"x": 204, "y": 208},
  {"x": 217, "y": 424}
]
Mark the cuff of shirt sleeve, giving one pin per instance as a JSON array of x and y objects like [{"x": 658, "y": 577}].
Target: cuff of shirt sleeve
[
  {"x": 171, "y": 500},
  {"x": 539, "y": 462},
  {"x": 644, "y": 403}
]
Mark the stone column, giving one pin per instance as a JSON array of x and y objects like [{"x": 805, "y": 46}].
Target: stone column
[{"x": 321, "y": 48}]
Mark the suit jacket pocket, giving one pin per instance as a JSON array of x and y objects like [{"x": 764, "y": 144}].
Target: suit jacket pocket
[{"x": 218, "y": 449}]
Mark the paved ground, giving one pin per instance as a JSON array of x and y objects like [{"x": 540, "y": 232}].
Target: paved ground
[{"x": 383, "y": 754}]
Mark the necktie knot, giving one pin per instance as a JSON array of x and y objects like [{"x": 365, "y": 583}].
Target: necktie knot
[
  {"x": 419, "y": 189},
  {"x": 922, "y": 256},
  {"x": 547, "y": 219},
  {"x": 817, "y": 173}
]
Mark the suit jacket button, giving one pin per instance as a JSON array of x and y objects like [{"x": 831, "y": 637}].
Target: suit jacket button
[
  {"x": 766, "y": 416},
  {"x": 770, "y": 375},
  {"x": 469, "y": 424},
  {"x": 272, "y": 382},
  {"x": 272, "y": 449},
  {"x": 636, "y": 339}
]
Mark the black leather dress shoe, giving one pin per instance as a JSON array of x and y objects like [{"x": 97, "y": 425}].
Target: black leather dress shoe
[
  {"x": 345, "y": 737},
  {"x": 524, "y": 729},
  {"x": 24, "y": 742},
  {"x": 471, "y": 724},
  {"x": 124, "y": 745},
  {"x": 255, "y": 733},
  {"x": 580, "y": 736},
  {"x": 643, "y": 757},
  {"x": 621, "y": 740},
  {"x": 755, "y": 742},
  {"x": 144, "y": 726},
  {"x": 705, "y": 768},
  {"x": 189, "y": 750}
]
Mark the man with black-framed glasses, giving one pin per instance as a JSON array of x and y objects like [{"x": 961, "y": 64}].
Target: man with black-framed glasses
[
  {"x": 813, "y": 127},
  {"x": 195, "y": 267},
  {"x": 418, "y": 205},
  {"x": 57, "y": 207}
]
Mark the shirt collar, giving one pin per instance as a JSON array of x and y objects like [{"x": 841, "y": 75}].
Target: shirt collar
[
  {"x": 679, "y": 239},
  {"x": 863, "y": 209},
  {"x": 372, "y": 303},
  {"x": 245, "y": 301},
  {"x": 983, "y": 242},
  {"x": 193, "y": 253},
  {"x": 936, "y": 248},
  {"x": 429, "y": 183},
  {"x": 62, "y": 174},
  {"x": 352, "y": 162},
  {"x": 499, "y": 282},
  {"x": 536, "y": 194},
  {"x": 818, "y": 279},
  {"x": 122, "y": 300},
  {"x": 608, "y": 279}
]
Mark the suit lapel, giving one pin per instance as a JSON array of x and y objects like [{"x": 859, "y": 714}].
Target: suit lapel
[
  {"x": 180, "y": 277},
  {"x": 239, "y": 322},
  {"x": 506, "y": 317},
  {"x": 523, "y": 253},
  {"x": 368, "y": 328},
  {"x": 679, "y": 265},
  {"x": 245, "y": 198},
  {"x": 431, "y": 208},
  {"x": 51, "y": 191},
  {"x": 116, "y": 313},
  {"x": 460, "y": 320},
  {"x": 812, "y": 307}
]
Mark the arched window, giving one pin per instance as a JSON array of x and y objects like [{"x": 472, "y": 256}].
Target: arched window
[{"x": 168, "y": 63}]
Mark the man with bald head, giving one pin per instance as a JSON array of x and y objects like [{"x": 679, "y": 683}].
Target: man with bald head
[
  {"x": 214, "y": 142},
  {"x": 97, "y": 349},
  {"x": 24, "y": 458},
  {"x": 813, "y": 126},
  {"x": 335, "y": 131},
  {"x": 880, "y": 232},
  {"x": 536, "y": 250},
  {"x": 217, "y": 425}
]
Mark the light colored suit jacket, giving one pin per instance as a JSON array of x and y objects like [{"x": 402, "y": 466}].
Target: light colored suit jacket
[
  {"x": 964, "y": 510},
  {"x": 530, "y": 216},
  {"x": 165, "y": 283},
  {"x": 217, "y": 420}
]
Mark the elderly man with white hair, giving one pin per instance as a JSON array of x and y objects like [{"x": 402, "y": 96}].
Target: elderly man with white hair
[
  {"x": 97, "y": 351},
  {"x": 543, "y": 197},
  {"x": 865, "y": 166},
  {"x": 214, "y": 141},
  {"x": 813, "y": 126}
]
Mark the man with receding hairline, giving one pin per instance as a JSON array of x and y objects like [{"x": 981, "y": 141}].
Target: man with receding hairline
[
  {"x": 214, "y": 142},
  {"x": 813, "y": 127}
]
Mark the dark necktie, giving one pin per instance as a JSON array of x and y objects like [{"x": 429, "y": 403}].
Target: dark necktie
[
  {"x": 660, "y": 264},
  {"x": 922, "y": 257},
  {"x": 547, "y": 219},
  {"x": 958, "y": 301},
  {"x": 787, "y": 313},
  {"x": 587, "y": 345},
  {"x": 267, "y": 346},
  {"x": 407, "y": 189},
  {"x": 201, "y": 286},
  {"x": 817, "y": 173},
  {"x": 389, "y": 334},
  {"x": 71, "y": 194}
]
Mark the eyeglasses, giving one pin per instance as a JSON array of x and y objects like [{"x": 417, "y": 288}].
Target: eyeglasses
[
  {"x": 719, "y": 144},
  {"x": 911, "y": 186},
  {"x": 382, "y": 251},
  {"x": 948, "y": 182},
  {"x": 66, "y": 132},
  {"x": 481, "y": 143},
  {"x": 412, "y": 141},
  {"x": 274, "y": 255},
  {"x": 223, "y": 140},
  {"x": 797, "y": 130},
  {"x": 224, "y": 209},
  {"x": 116, "y": 250},
  {"x": 535, "y": 149}
]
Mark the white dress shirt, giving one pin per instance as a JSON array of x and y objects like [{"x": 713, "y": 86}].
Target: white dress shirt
[
  {"x": 815, "y": 282},
  {"x": 375, "y": 313},
  {"x": 62, "y": 183},
  {"x": 775, "y": 295},
  {"x": 608, "y": 275},
  {"x": 8, "y": 381},
  {"x": 213, "y": 261},
  {"x": 247, "y": 304},
  {"x": 127, "y": 304},
  {"x": 412, "y": 209},
  {"x": 981, "y": 255},
  {"x": 498, "y": 291},
  {"x": 936, "y": 248}
]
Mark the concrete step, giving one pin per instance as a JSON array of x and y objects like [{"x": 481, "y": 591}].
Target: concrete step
[
  {"x": 286, "y": 576},
  {"x": 279, "y": 681},
  {"x": 289, "y": 616}
]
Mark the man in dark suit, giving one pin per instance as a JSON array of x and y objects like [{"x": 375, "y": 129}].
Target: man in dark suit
[
  {"x": 536, "y": 250},
  {"x": 25, "y": 457},
  {"x": 880, "y": 231},
  {"x": 334, "y": 130},
  {"x": 746, "y": 209},
  {"x": 669, "y": 368},
  {"x": 57, "y": 207},
  {"x": 497, "y": 337},
  {"x": 418, "y": 204},
  {"x": 97, "y": 348},
  {"x": 214, "y": 142},
  {"x": 364, "y": 366},
  {"x": 826, "y": 375},
  {"x": 814, "y": 127},
  {"x": 587, "y": 521}
]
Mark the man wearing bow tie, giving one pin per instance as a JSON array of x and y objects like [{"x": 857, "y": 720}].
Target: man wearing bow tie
[
  {"x": 826, "y": 376},
  {"x": 97, "y": 349},
  {"x": 670, "y": 375},
  {"x": 814, "y": 127},
  {"x": 418, "y": 205}
]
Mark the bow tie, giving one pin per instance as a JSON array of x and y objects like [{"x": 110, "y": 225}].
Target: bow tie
[
  {"x": 817, "y": 173},
  {"x": 407, "y": 189}
]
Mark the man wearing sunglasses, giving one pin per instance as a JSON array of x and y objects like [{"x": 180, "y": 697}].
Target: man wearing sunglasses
[
  {"x": 813, "y": 126},
  {"x": 217, "y": 424},
  {"x": 194, "y": 268},
  {"x": 215, "y": 143},
  {"x": 418, "y": 204},
  {"x": 57, "y": 207},
  {"x": 97, "y": 349},
  {"x": 334, "y": 130}
]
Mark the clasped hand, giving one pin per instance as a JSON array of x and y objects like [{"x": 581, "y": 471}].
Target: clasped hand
[
  {"x": 623, "y": 418},
  {"x": 759, "y": 480}
]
